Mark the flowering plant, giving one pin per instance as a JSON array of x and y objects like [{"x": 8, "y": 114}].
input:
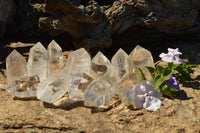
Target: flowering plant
[{"x": 167, "y": 77}]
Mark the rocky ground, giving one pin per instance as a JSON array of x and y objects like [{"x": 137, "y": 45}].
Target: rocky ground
[{"x": 30, "y": 115}]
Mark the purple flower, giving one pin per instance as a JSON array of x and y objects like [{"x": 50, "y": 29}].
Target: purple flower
[
  {"x": 172, "y": 56},
  {"x": 173, "y": 83},
  {"x": 146, "y": 96}
]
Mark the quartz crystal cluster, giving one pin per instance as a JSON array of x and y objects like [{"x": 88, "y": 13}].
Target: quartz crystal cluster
[{"x": 94, "y": 81}]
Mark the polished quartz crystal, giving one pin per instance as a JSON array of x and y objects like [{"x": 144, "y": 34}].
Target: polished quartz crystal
[
  {"x": 37, "y": 61},
  {"x": 100, "y": 64},
  {"x": 120, "y": 65},
  {"x": 55, "y": 58},
  {"x": 79, "y": 83},
  {"x": 78, "y": 61},
  {"x": 54, "y": 87},
  {"x": 16, "y": 67},
  {"x": 125, "y": 86},
  {"x": 25, "y": 87},
  {"x": 99, "y": 91},
  {"x": 141, "y": 57}
]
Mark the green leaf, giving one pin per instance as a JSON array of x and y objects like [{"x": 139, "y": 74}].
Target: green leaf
[
  {"x": 141, "y": 73},
  {"x": 159, "y": 69},
  {"x": 166, "y": 74},
  {"x": 158, "y": 81},
  {"x": 152, "y": 71}
]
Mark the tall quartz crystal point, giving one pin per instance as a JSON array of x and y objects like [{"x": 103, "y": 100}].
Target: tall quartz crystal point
[
  {"x": 79, "y": 83},
  {"x": 100, "y": 64},
  {"x": 55, "y": 58},
  {"x": 78, "y": 61},
  {"x": 37, "y": 61},
  {"x": 16, "y": 67},
  {"x": 125, "y": 86},
  {"x": 141, "y": 57},
  {"x": 99, "y": 91},
  {"x": 54, "y": 87},
  {"x": 120, "y": 65}
]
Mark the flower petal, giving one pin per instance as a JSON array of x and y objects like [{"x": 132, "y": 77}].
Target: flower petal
[{"x": 152, "y": 103}]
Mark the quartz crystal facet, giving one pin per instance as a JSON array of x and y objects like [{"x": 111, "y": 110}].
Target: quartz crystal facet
[
  {"x": 16, "y": 67},
  {"x": 79, "y": 83},
  {"x": 25, "y": 87},
  {"x": 99, "y": 91},
  {"x": 141, "y": 57},
  {"x": 78, "y": 61},
  {"x": 55, "y": 58},
  {"x": 54, "y": 87},
  {"x": 120, "y": 65},
  {"x": 100, "y": 64},
  {"x": 37, "y": 61},
  {"x": 125, "y": 86}
]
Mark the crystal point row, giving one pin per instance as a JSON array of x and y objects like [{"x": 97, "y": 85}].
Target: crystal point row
[{"x": 94, "y": 81}]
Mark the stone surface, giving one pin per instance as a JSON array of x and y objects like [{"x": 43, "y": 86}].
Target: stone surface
[
  {"x": 120, "y": 65},
  {"x": 25, "y": 87},
  {"x": 7, "y": 11},
  {"x": 16, "y": 67},
  {"x": 141, "y": 57},
  {"x": 54, "y": 87},
  {"x": 99, "y": 91},
  {"x": 103, "y": 19},
  {"x": 100, "y": 64},
  {"x": 37, "y": 61},
  {"x": 55, "y": 58},
  {"x": 78, "y": 61},
  {"x": 125, "y": 86}
]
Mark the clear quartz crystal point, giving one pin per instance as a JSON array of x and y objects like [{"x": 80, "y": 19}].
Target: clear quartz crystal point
[
  {"x": 79, "y": 83},
  {"x": 55, "y": 58},
  {"x": 99, "y": 91},
  {"x": 78, "y": 61},
  {"x": 16, "y": 67},
  {"x": 54, "y": 87},
  {"x": 24, "y": 87},
  {"x": 120, "y": 65},
  {"x": 125, "y": 86},
  {"x": 141, "y": 57},
  {"x": 100, "y": 64},
  {"x": 37, "y": 61}
]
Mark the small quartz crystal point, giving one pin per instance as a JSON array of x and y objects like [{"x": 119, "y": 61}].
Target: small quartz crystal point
[
  {"x": 24, "y": 87},
  {"x": 120, "y": 65},
  {"x": 126, "y": 84},
  {"x": 54, "y": 87},
  {"x": 99, "y": 91},
  {"x": 79, "y": 83},
  {"x": 55, "y": 58},
  {"x": 141, "y": 57},
  {"x": 100, "y": 64},
  {"x": 16, "y": 67},
  {"x": 78, "y": 61},
  {"x": 37, "y": 61}
]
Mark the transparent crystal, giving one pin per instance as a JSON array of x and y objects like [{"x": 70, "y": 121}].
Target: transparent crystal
[
  {"x": 25, "y": 87},
  {"x": 55, "y": 58},
  {"x": 37, "y": 61},
  {"x": 125, "y": 86},
  {"x": 99, "y": 91},
  {"x": 16, "y": 67},
  {"x": 120, "y": 65},
  {"x": 100, "y": 64},
  {"x": 79, "y": 83},
  {"x": 54, "y": 87},
  {"x": 78, "y": 61},
  {"x": 141, "y": 57}
]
